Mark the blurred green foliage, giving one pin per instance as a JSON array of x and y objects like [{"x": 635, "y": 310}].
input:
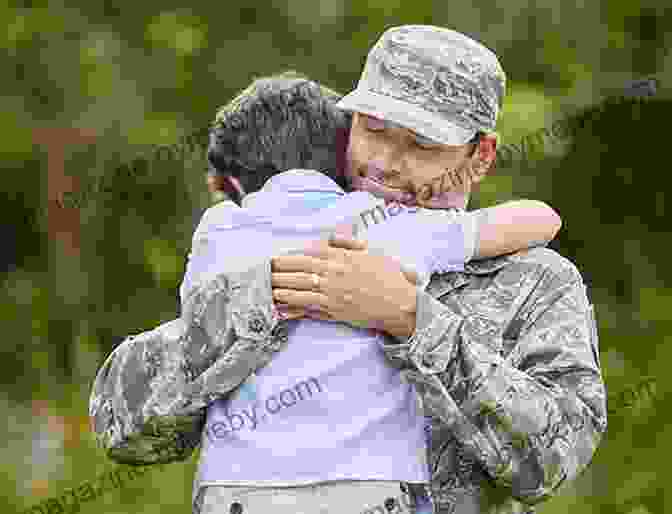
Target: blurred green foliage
[{"x": 144, "y": 74}]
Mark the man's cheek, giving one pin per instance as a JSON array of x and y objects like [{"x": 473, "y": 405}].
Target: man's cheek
[{"x": 351, "y": 163}]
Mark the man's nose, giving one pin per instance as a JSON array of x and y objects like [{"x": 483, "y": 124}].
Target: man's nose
[{"x": 389, "y": 162}]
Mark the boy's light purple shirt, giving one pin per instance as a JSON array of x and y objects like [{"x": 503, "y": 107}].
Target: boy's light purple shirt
[{"x": 360, "y": 421}]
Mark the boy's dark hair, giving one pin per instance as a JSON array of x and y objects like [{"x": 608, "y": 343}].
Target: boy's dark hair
[{"x": 278, "y": 123}]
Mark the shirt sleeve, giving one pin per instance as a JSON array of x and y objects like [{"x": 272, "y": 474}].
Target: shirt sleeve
[
  {"x": 451, "y": 239},
  {"x": 469, "y": 222}
]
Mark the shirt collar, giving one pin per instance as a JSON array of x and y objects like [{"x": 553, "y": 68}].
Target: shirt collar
[
  {"x": 297, "y": 181},
  {"x": 301, "y": 180}
]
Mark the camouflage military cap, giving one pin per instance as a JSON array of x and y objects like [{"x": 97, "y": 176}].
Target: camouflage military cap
[{"x": 434, "y": 81}]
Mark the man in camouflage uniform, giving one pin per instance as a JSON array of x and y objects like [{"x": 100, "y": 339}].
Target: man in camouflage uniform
[{"x": 504, "y": 355}]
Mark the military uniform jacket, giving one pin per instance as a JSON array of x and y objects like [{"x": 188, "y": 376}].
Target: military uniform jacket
[{"x": 504, "y": 358}]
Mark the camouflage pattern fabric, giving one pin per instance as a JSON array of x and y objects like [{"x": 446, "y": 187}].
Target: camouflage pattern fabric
[{"x": 504, "y": 357}]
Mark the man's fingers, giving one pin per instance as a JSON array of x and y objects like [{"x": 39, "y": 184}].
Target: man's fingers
[
  {"x": 296, "y": 281},
  {"x": 338, "y": 240},
  {"x": 411, "y": 276},
  {"x": 298, "y": 263},
  {"x": 320, "y": 253},
  {"x": 303, "y": 299}
]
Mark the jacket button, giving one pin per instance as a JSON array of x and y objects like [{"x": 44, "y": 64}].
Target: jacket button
[
  {"x": 390, "y": 504},
  {"x": 236, "y": 508},
  {"x": 256, "y": 324}
]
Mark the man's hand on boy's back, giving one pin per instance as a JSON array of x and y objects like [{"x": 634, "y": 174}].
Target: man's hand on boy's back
[{"x": 354, "y": 287}]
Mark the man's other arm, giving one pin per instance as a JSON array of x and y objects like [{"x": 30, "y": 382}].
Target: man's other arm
[{"x": 534, "y": 418}]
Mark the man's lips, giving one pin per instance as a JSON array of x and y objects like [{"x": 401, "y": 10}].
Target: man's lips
[{"x": 378, "y": 188}]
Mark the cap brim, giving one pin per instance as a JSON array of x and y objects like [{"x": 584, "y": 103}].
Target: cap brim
[{"x": 407, "y": 115}]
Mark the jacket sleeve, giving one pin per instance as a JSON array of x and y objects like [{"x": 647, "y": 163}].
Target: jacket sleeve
[
  {"x": 148, "y": 400},
  {"x": 534, "y": 418}
]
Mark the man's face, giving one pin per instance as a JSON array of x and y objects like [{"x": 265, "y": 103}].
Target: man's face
[{"x": 405, "y": 162}]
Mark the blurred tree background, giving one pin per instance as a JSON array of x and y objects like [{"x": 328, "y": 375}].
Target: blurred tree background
[{"x": 139, "y": 75}]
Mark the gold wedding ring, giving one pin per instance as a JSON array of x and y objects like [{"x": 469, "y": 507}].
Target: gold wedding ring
[{"x": 316, "y": 282}]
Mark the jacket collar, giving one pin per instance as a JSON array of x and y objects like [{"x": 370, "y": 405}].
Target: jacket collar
[
  {"x": 486, "y": 266},
  {"x": 447, "y": 282}
]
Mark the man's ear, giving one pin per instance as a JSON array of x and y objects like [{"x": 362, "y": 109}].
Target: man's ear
[{"x": 484, "y": 157}]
